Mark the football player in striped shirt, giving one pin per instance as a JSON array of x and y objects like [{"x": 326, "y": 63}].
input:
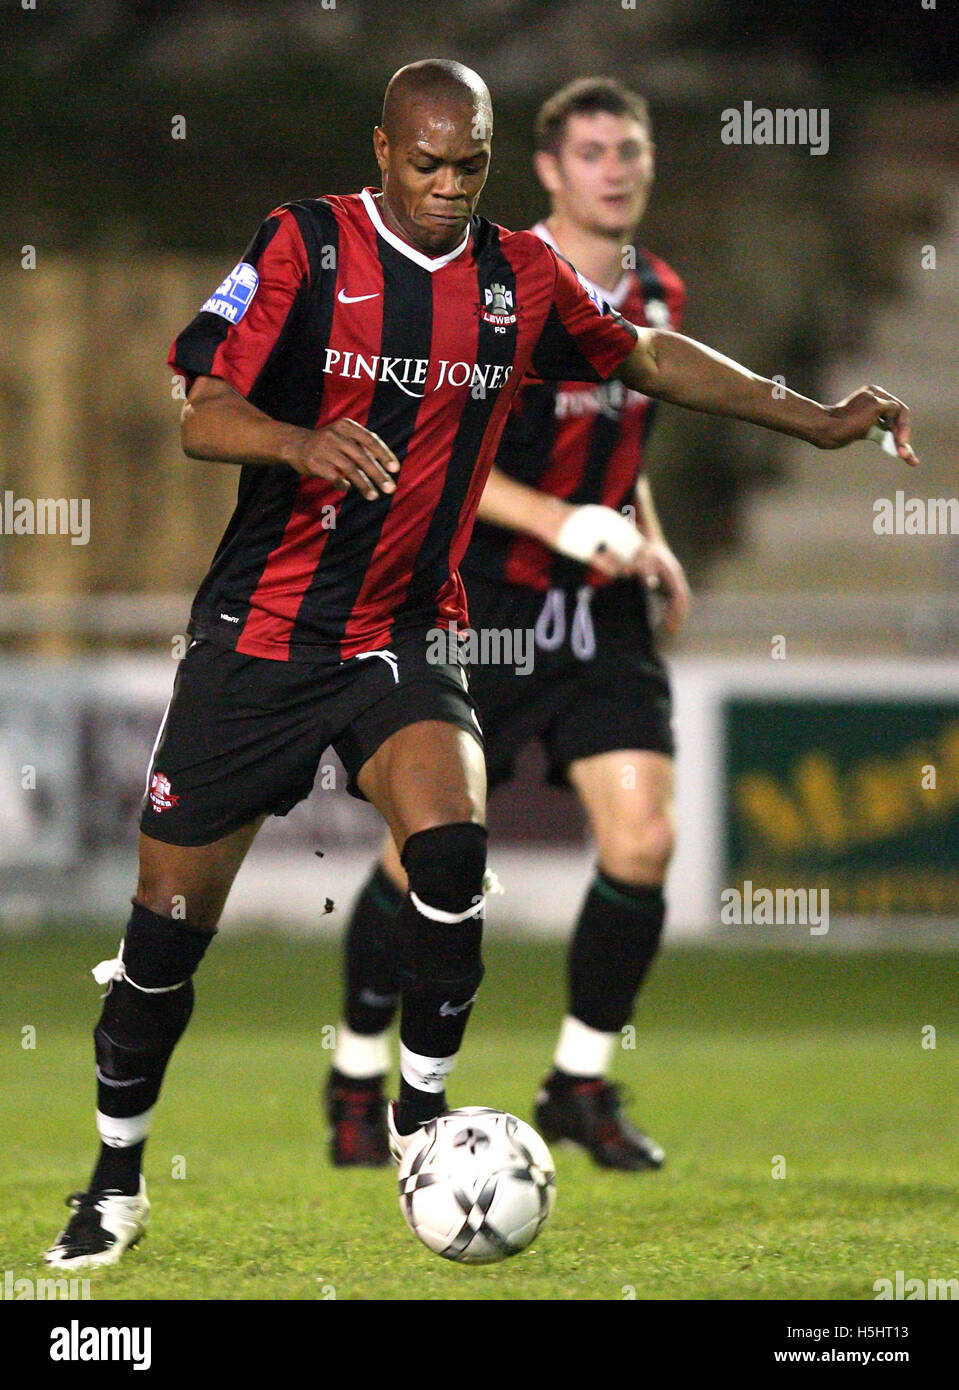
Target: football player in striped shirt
[
  {"x": 566, "y": 546},
  {"x": 358, "y": 364}
]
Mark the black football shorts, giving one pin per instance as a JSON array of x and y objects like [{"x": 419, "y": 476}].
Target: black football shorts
[
  {"x": 594, "y": 681},
  {"x": 243, "y": 735}
]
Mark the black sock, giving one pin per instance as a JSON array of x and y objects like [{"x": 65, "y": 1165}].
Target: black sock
[
  {"x": 372, "y": 968},
  {"x": 559, "y": 1080},
  {"x": 118, "y": 1170},
  {"x": 614, "y": 944},
  {"x": 416, "y": 1107},
  {"x": 355, "y": 1083},
  {"x": 143, "y": 1017},
  {"x": 440, "y": 961}
]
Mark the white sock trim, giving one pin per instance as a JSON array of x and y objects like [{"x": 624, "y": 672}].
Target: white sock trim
[
  {"x": 583, "y": 1051},
  {"x": 361, "y": 1055},
  {"x": 121, "y": 1134},
  {"x": 425, "y": 1073}
]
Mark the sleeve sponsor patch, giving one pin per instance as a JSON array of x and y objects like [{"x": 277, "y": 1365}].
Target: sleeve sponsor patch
[{"x": 233, "y": 296}]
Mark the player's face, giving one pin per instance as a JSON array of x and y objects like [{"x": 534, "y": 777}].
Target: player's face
[
  {"x": 433, "y": 173},
  {"x": 601, "y": 177}
]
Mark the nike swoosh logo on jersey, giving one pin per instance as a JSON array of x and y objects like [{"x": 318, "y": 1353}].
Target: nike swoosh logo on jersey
[{"x": 345, "y": 298}]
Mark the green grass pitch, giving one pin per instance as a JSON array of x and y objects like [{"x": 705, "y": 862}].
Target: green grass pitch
[{"x": 740, "y": 1058}]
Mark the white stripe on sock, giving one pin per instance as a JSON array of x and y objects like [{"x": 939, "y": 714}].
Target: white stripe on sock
[
  {"x": 425, "y": 1073},
  {"x": 583, "y": 1051},
  {"x": 121, "y": 1134},
  {"x": 361, "y": 1055}
]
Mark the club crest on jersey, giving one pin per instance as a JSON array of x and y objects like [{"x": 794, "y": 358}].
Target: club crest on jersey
[
  {"x": 233, "y": 296},
  {"x": 161, "y": 797},
  {"x": 497, "y": 307}
]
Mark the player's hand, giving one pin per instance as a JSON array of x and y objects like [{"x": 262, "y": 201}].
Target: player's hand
[
  {"x": 601, "y": 537},
  {"x": 346, "y": 454},
  {"x": 664, "y": 575},
  {"x": 866, "y": 408}
]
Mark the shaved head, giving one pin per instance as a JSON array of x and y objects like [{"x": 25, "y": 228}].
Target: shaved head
[
  {"x": 433, "y": 150},
  {"x": 437, "y": 82}
]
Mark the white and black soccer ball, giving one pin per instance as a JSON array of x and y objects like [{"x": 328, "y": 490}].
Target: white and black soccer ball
[{"x": 477, "y": 1185}]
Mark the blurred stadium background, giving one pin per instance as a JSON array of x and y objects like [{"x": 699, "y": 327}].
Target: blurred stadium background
[{"x": 803, "y": 762}]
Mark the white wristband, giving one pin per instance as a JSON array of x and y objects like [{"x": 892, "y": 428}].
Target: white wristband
[{"x": 589, "y": 527}]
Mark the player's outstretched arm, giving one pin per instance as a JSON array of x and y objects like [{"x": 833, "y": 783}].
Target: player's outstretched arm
[
  {"x": 221, "y": 425},
  {"x": 677, "y": 369}
]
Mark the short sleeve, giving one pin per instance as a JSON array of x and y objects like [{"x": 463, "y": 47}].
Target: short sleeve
[
  {"x": 583, "y": 339},
  {"x": 241, "y": 322}
]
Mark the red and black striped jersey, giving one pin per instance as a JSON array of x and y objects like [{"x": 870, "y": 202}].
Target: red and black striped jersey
[
  {"x": 329, "y": 315},
  {"x": 580, "y": 443}
]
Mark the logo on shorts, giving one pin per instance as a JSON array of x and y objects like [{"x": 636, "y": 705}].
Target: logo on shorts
[{"x": 161, "y": 795}]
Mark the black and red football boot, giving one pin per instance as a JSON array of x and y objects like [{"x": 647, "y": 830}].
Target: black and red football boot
[{"x": 588, "y": 1111}]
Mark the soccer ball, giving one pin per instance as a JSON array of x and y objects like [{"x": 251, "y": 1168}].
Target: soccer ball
[{"x": 477, "y": 1185}]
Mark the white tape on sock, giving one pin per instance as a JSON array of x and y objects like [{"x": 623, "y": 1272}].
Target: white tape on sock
[
  {"x": 361, "y": 1055},
  {"x": 583, "y": 1051},
  {"x": 121, "y": 1134},
  {"x": 425, "y": 1073}
]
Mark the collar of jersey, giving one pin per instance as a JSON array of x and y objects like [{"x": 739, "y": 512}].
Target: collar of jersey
[
  {"x": 614, "y": 297},
  {"x": 430, "y": 263}
]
